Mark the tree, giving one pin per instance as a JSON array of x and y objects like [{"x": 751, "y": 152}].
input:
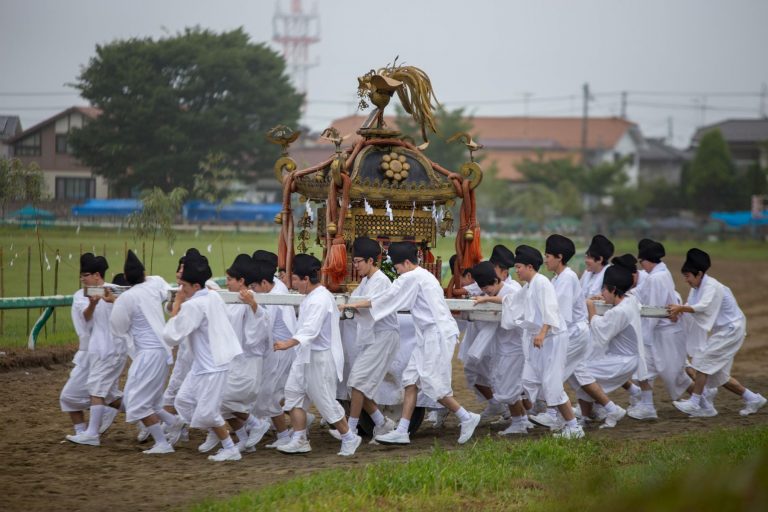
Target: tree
[
  {"x": 712, "y": 175},
  {"x": 169, "y": 103},
  {"x": 19, "y": 182},
  {"x": 159, "y": 210}
]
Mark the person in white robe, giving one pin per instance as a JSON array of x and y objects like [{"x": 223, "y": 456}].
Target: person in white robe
[
  {"x": 75, "y": 398},
  {"x": 596, "y": 259},
  {"x": 716, "y": 327},
  {"x": 319, "y": 365},
  {"x": 510, "y": 359},
  {"x": 536, "y": 310},
  {"x": 619, "y": 334},
  {"x": 429, "y": 369},
  {"x": 277, "y": 363},
  {"x": 137, "y": 320},
  {"x": 200, "y": 316},
  {"x": 106, "y": 357},
  {"x": 665, "y": 351}
]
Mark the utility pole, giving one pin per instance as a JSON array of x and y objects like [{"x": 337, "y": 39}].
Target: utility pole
[
  {"x": 584, "y": 122},
  {"x": 763, "y": 98},
  {"x": 623, "y": 104},
  {"x": 670, "y": 131}
]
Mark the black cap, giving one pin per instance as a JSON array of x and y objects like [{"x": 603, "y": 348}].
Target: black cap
[
  {"x": 558, "y": 244},
  {"x": 696, "y": 261},
  {"x": 650, "y": 250},
  {"x": 401, "y": 251},
  {"x": 502, "y": 257},
  {"x": 617, "y": 277},
  {"x": 196, "y": 270},
  {"x": 484, "y": 274},
  {"x": 120, "y": 280},
  {"x": 626, "y": 261},
  {"x": 306, "y": 265},
  {"x": 266, "y": 256},
  {"x": 528, "y": 255},
  {"x": 600, "y": 247},
  {"x": 240, "y": 267},
  {"x": 262, "y": 271},
  {"x": 364, "y": 247},
  {"x": 133, "y": 268},
  {"x": 93, "y": 264}
]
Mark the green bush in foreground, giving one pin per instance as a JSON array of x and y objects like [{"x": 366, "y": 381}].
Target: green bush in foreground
[{"x": 722, "y": 470}]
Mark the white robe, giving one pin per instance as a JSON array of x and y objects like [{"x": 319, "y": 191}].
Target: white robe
[
  {"x": 592, "y": 283},
  {"x": 148, "y": 297},
  {"x": 574, "y": 311}
]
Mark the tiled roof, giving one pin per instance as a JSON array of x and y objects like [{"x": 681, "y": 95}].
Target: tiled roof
[
  {"x": 9, "y": 126},
  {"x": 91, "y": 112},
  {"x": 736, "y": 130}
]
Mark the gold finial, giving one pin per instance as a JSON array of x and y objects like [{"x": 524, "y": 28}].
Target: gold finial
[
  {"x": 283, "y": 136},
  {"x": 472, "y": 146}
]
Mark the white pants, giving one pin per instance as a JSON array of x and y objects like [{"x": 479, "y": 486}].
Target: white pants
[
  {"x": 184, "y": 358},
  {"x": 373, "y": 361},
  {"x": 144, "y": 387},
  {"x": 544, "y": 367},
  {"x": 610, "y": 371},
  {"x": 314, "y": 382},
  {"x": 74, "y": 395},
  {"x": 578, "y": 350},
  {"x": 715, "y": 357},
  {"x": 275, "y": 369},
  {"x": 104, "y": 374},
  {"x": 430, "y": 365},
  {"x": 508, "y": 374},
  {"x": 243, "y": 383},
  {"x": 665, "y": 358},
  {"x": 199, "y": 399}
]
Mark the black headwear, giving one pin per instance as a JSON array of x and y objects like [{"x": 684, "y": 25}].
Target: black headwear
[
  {"x": 617, "y": 277},
  {"x": 133, "y": 268},
  {"x": 484, "y": 274},
  {"x": 261, "y": 271},
  {"x": 502, "y": 257},
  {"x": 650, "y": 250},
  {"x": 627, "y": 261},
  {"x": 240, "y": 267},
  {"x": 266, "y": 256},
  {"x": 364, "y": 247},
  {"x": 119, "y": 280},
  {"x": 527, "y": 255},
  {"x": 600, "y": 247},
  {"x": 696, "y": 261},
  {"x": 401, "y": 251},
  {"x": 558, "y": 244},
  {"x": 306, "y": 265},
  {"x": 196, "y": 270},
  {"x": 93, "y": 264}
]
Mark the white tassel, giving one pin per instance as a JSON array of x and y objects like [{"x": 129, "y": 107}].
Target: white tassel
[
  {"x": 413, "y": 211},
  {"x": 389, "y": 211}
]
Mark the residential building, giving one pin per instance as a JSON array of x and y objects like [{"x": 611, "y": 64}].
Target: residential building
[
  {"x": 659, "y": 161},
  {"x": 10, "y": 127},
  {"x": 747, "y": 140}
]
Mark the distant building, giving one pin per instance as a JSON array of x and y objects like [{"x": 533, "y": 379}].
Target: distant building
[
  {"x": 659, "y": 161},
  {"x": 10, "y": 127},
  {"x": 47, "y": 145},
  {"x": 747, "y": 140},
  {"x": 509, "y": 141}
]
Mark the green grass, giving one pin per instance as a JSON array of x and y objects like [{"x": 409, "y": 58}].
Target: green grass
[
  {"x": 224, "y": 246},
  {"x": 719, "y": 470}
]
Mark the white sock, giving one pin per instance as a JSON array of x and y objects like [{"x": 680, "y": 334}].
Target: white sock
[
  {"x": 353, "y": 423},
  {"x": 227, "y": 443},
  {"x": 749, "y": 396},
  {"x": 349, "y": 436},
  {"x": 298, "y": 435},
  {"x": 80, "y": 427},
  {"x": 285, "y": 433},
  {"x": 610, "y": 406},
  {"x": 166, "y": 417},
  {"x": 242, "y": 435},
  {"x": 156, "y": 431},
  {"x": 518, "y": 419},
  {"x": 402, "y": 427},
  {"x": 646, "y": 397},
  {"x": 378, "y": 418},
  {"x": 462, "y": 414},
  {"x": 252, "y": 421},
  {"x": 572, "y": 423},
  {"x": 94, "y": 422},
  {"x": 695, "y": 399},
  {"x": 634, "y": 389}
]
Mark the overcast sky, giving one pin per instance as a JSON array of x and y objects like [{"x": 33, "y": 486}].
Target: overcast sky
[{"x": 682, "y": 63}]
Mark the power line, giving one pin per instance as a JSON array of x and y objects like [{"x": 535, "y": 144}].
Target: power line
[{"x": 36, "y": 94}]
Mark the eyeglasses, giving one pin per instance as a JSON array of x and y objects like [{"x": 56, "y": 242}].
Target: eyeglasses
[
  {"x": 355, "y": 261},
  {"x": 86, "y": 274}
]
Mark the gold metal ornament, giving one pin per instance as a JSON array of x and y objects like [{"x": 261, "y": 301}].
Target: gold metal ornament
[
  {"x": 469, "y": 235},
  {"x": 395, "y": 167},
  {"x": 279, "y": 218}
]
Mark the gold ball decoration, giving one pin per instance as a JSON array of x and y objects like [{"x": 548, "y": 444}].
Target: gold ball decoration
[
  {"x": 332, "y": 228},
  {"x": 469, "y": 235},
  {"x": 279, "y": 218},
  {"x": 394, "y": 167}
]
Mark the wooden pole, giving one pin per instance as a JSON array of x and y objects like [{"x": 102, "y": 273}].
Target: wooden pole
[
  {"x": 55, "y": 285},
  {"x": 29, "y": 280},
  {"x": 2, "y": 292}
]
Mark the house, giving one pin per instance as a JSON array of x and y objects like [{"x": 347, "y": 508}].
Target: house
[
  {"x": 10, "y": 127},
  {"x": 508, "y": 141},
  {"x": 747, "y": 140},
  {"x": 661, "y": 162},
  {"x": 46, "y": 144}
]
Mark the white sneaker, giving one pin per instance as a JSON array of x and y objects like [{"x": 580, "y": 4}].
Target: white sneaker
[
  {"x": 300, "y": 445},
  {"x": 393, "y": 437},
  {"x": 348, "y": 447},
  {"x": 753, "y": 406},
  {"x": 614, "y": 417},
  {"x": 528, "y": 423},
  {"x": 440, "y": 416},
  {"x": 184, "y": 437},
  {"x": 143, "y": 433},
  {"x": 570, "y": 432},
  {"x": 598, "y": 412},
  {"x": 226, "y": 454},
  {"x": 107, "y": 419},
  {"x": 256, "y": 434},
  {"x": 634, "y": 399},
  {"x": 211, "y": 442},
  {"x": 642, "y": 411},
  {"x": 547, "y": 420},
  {"x": 517, "y": 427},
  {"x": 310, "y": 420},
  {"x": 83, "y": 438},
  {"x": 491, "y": 411},
  {"x": 282, "y": 442},
  {"x": 388, "y": 426},
  {"x": 468, "y": 427},
  {"x": 334, "y": 433},
  {"x": 174, "y": 432},
  {"x": 695, "y": 411},
  {"x": 710, "y": 394},
  {"x": 159, "y": 448}
]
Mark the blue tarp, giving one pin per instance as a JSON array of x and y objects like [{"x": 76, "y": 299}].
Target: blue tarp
[
  {"x": 234, "y": 212},
  {"x": 107, "y": 208},
  {"x": 740, "y": 219},
  {"x": 29, "y": 212}
]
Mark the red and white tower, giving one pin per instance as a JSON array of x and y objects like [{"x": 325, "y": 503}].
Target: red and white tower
[{"x": 295, "y": 32}]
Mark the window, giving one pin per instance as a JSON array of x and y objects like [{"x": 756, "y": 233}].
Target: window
[
  {"x": 62, "y": 144},
  {"x": 28, "y": 146},
  {"x": 75, "y": 188}
]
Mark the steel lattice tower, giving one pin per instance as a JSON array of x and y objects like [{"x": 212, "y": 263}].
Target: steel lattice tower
[{"x": 295, "y": 32}]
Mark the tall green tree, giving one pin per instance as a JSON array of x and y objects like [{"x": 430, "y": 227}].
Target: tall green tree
[
  {"x": 711, "y": 179},
  {"x": 19, "y": 182},
  {"x": 156, "y": 217},
  {"x": 169, "y": 103}
]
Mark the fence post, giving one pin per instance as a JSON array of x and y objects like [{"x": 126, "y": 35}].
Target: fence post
[
  {"x": 2, "y": 292},
  {"x": 55, "y": 285},
  {"x": 29, "y": 278}
]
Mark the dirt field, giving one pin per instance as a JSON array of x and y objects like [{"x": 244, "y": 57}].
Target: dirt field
[{"x": 41, "y": 471}]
